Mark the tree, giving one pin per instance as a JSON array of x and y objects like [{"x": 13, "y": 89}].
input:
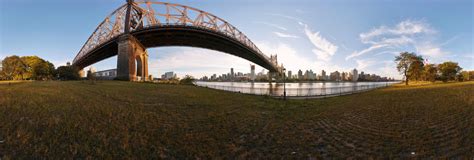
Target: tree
[
  {"x": 466, "y": 75},
  {"x": 430, "y": 72},
  {"x": 448, "y": 70},
  {"x": 416, "y": 68},
  {"x": 187, "y": 80},
  {"x": 409, "y": 64},
  {"x": 2, "y": 75},
  {"x": 67, "y": 73},
  {"x": 13, "y": 68},
  {"x": 38, "y": 68}
]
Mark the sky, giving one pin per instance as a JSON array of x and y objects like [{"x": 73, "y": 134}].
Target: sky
[{"x": 305, "y": 34}]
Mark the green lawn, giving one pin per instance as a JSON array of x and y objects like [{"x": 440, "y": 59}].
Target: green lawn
[{"x": 116, "y": 120}]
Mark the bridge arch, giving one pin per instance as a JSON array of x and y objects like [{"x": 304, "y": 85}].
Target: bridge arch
[
  {"x": 135, "y": 26},
  {"x": 138, "y": 66}
]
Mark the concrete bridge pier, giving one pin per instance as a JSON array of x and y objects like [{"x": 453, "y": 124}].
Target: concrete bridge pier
[{"x": 132, "y": 59}]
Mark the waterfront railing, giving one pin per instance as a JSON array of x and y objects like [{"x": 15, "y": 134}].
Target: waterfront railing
[{"x": 298, "y": 92}]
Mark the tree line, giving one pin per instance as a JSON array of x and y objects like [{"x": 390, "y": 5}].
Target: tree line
[
  {"x": 34, "y": 68},
  {"x": 414, "y": 68}
]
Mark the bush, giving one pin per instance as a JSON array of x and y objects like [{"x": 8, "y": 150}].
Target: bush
[
  {"x": 187, "y": 80},
  {"x": 67, "y": 73}
]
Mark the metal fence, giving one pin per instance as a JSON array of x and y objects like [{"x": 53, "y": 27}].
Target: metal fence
[{"x": 298, "y": 92}]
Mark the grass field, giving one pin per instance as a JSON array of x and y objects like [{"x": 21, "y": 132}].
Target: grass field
[{"x": 117, "y": 120}]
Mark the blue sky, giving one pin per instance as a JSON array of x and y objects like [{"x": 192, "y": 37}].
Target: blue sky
[{"x": 305, "y": 34}]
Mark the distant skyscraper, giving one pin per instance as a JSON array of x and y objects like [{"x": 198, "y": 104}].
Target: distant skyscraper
[
  {"x": 335, "y": 76},
  {"x": 355, "y": 75},
  {"x": 168, "y": 75},
  {"x": 252, "y": 72},
  {"x": 300, "y": 75},
  {"x": 323, "y": 75},
  {"x": 289, "y": 75},
  {"x": 310, "y": 75},
  {"x": 214, "y": 77}
]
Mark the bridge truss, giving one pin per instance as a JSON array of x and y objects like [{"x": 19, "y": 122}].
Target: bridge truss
[{"x": 146, "y": 14}]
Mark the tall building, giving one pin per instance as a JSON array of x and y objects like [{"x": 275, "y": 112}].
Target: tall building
[
  {"x": 252, "y": 72},
  {"x": 300, "y": 75},
  {"x": 335, "y": 76},
  {"x": 309, "y": 75},
  {"x": 168, "y": 75},
  {"x": 231, "y": 76},
  {"x": 343, "y": 76},
  {"x": 213, "y": 77},
  {"x": 289, "y": 75},
  {"x": 323, "y": 75},
  {"x": 355, "y": 75},
  {"x": 361, "y": 76}
]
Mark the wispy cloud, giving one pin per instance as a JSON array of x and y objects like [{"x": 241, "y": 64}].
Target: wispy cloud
[
  {"x": 284, "y": 35},
  {"x": 367, "y": 50},
  {"x": 272, "y": 25},
  {"x": 406, "y": 34},
  {"x": 404, "y": 28},
  {"x": 324, "y": 49},
  {"x": 450, "y": 40},
  {"x": 286, "y": 16}
]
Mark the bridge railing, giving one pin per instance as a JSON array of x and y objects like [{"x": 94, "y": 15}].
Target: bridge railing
[{"x": 298, "y": 92}]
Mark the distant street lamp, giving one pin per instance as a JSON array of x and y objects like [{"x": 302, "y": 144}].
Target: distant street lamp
[{"x": 284, "y": 83}]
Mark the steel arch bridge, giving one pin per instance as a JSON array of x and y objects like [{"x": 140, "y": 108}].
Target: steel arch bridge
[{"x": 138, "y": 25}]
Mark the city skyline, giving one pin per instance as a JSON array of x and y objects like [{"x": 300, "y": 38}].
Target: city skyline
[
  {"x": 303, "y": 37},
  {"x": 353, "y": 75}
]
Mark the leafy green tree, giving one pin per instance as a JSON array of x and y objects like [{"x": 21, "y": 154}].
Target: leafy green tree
[
  {"x": 430, "y": 72},
  {"x": 67, "y": 73},
  {"x": 38, "y": 68},
  {"x": 448, "y": 70},
  {"x": 466, "y": 75},
  {"x": 409, "y": 64},
  {"x": 13, "y": 68},
  {"x": 2, "y": 75},
  {"x": 416, "y": 68},
  {"x": 188, "y": 80}
]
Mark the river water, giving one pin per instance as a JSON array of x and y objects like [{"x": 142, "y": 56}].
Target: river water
[{"x": 302, "y": 89}]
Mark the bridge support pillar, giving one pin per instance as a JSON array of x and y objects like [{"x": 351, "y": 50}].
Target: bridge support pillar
[
  {"x": 271, "y": 75},
  {"x": 82, "y": 73},
  {"x": 132, "y": 59}
]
